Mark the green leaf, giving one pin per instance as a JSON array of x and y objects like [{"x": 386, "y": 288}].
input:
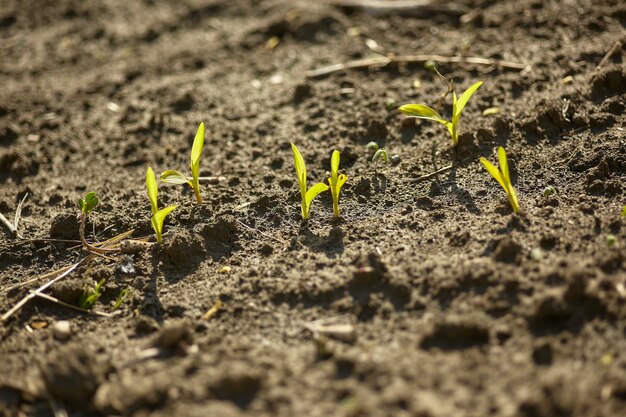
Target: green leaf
[
  {"x": 175, "y": 177},
  {"x": 314, "y": 191},
  {"x": 334, "y": 164},
  {"x": 298, "y": 162},
  {"x": 421, "y": 111},
  {"x": 196, "y": 152},
  {"x": 380, "y": 154},
  {"x": 459, "y": 104},
  {"x": 504, "y": 165},
  {"x": 158, "y": 218},
  {"x": 88, "y": 203},
  {"x": 151, "y": 185},
  {"x": 493, "y": 171}
]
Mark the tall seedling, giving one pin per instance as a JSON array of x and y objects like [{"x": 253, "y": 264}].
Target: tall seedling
[
  {"x": 158, "y": 216},
  {"x": 176, "y": 177},
  {"x": 310, "y": 194},
  {"x": 422, "y": 111}
]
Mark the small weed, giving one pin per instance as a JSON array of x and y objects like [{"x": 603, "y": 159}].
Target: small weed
[
  {"x": 307, "y": 194},
  {"x": 121, "y": 297},
  {"x": 624, "y": 212},
  {"x": 380, "y": 154},
  {"x": 336, "y": 181},
  {"x": 158, "y": 216},
  {"x": 611, "y": 240},
  {"x": 421, "y": 111},
  {"x": 502, "y": 176},
  {"x": 90, "y": 295},
  {"x": 176, "y": 177}
]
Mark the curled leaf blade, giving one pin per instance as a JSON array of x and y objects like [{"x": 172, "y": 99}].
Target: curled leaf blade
[
  {"x": 158, "y": 218},
  {"x": 298, "y": 162},
  {"x": 174, "y": 177},
  {"x": 151, "y": 186},
  {"x": 334, "y": 163},
  {"x": 196, "y": 151}
]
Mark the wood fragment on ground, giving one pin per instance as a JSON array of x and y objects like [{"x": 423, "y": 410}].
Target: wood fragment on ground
[{"x": 383, "y": 61}]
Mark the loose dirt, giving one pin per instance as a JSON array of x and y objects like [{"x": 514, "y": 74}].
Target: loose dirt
[{"x": 427, "y": 298}]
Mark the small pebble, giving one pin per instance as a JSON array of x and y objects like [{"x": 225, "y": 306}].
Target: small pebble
[
  {"x": 62, "y": 330},
  {"x": 395, "y": 159}
]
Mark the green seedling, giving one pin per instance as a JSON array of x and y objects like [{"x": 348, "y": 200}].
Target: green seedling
[
  {"x": 158, "y": 216},
  {"x": 372, "y": 147},
  {"x": 121, "y": 297},
  {"x": 624, "y": 212},
  {"x": 502, "y": 176},
  {"x": 336, "y": 181},
  {"x": 90, "y": 296},
  {"x": 86, "y": 205},
  {"x": 380, "y": 154},
  {"x": 307, "y": 194},
  {"x": 548, "y": 191},
  {"x": 611, "y": 240},
  {"x": 176, "y": 177},
  {"x": 421, "y": 111}
]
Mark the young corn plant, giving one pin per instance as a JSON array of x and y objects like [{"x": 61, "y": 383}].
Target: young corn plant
[
  {"x": 176, "y": 177},
  {"x": 90, "y": 295},
  {"x": 158, "y": 216},
  {"x": 336, "y": 181},
  {"x": 422, "y": 111},
  {"x": 501, "y": 175},
  {"x": 307, "y": 194}
]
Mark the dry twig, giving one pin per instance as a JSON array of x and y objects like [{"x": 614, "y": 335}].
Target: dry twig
[{"x": 382, "y": 61}]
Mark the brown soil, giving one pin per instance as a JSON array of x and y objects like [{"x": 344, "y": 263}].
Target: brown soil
[{"x": 427, "y": 298}]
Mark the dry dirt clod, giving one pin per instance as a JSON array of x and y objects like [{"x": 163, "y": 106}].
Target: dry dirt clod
[{"x": 72, "y": 374}]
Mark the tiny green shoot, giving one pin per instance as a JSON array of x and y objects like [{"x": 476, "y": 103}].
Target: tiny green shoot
[
  {"x": 176, "y": 177},
  {"x": 548, "y": 191},
  {"x": 501, "y": 175},
  {"x": 90, "y": 296},
  {"x": 336, "y": 181},
  {"x": 422, "y": 111},
  {"x": 381, "y": 153},
  {"x": 372, "y": 147},
  {"x": 307, "y": 194},
  {"x": 158, "y": 216},
  {"x": 611, "y": 240},
  {"x": 121, "y": 297},
  {"x": 88, "y": 203},
  {"x": 624, "y": 212}
]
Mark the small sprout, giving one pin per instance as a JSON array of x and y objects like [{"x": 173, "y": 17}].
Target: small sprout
[
  {"x": 548, "y": 191},
  {"x": 430, "y": 65},
  {"x": 422, "y": 111},
  {"x": 380, "y": 154},
  {"x": 536, "y": 254},
  {"x": 502, "y": 176},
  {"x": 311, "y": 193},
  {"x": 490, "y": 111},
  {"x": 90, "y": 296},
  {"x": 611, "y": 240},
  {"x": 88, "y": 203},
  {"x": 390, "y": 104},
  {"x": 121, "y": 297},
  {"x": 158, "y": 216},
  {"x": 336, "y": 181},
  {"x": 372, "y": 147},
  {"x": 624, "y": 212},
  {"x": 175, "y": 177}
]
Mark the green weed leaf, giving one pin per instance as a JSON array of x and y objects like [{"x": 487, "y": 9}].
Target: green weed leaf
[
  {"x": 459, "y": 104},
  {"x": 336, "y": 181}
]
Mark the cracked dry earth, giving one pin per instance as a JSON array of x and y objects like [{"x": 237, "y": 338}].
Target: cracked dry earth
[{"x": 428, "y": 298}]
